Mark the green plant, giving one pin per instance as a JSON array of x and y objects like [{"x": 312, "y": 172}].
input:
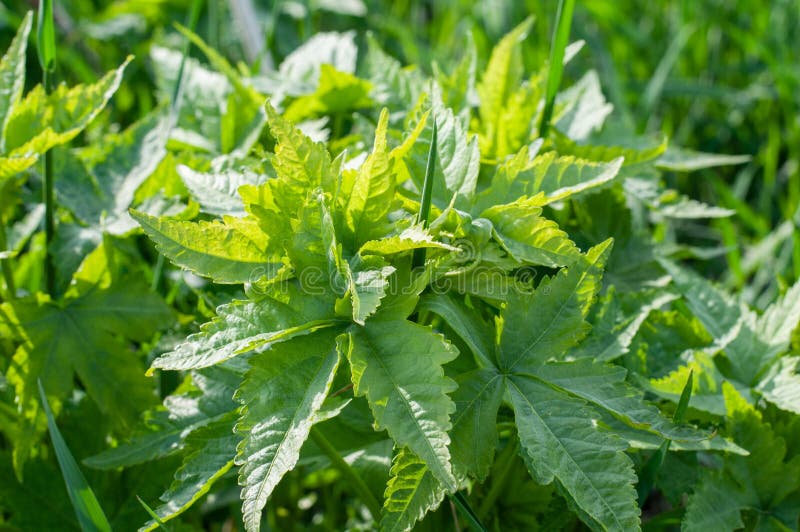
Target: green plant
[{"x": 392, "y": 299}]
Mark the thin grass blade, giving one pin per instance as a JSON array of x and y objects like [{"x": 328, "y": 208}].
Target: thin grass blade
[
  {"x": 647, "y": 478},
  {"x": 87, "y": 509},
  {"x": 466, "y": 510},
  {"x": 559, "y": 44},
  {"x": 427, "y": 193}
]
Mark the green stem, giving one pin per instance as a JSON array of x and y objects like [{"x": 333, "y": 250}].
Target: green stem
[
  {"x": 159, "y": 268},
  {"x": 48, "y": 197},
  {"x": 8, "y": 274},
  {"x": 557, "y": 47},
  {"x": 349, "y": 473},
  {"x": 505, "y": 460},
  {"x": 418, "y": 260}
]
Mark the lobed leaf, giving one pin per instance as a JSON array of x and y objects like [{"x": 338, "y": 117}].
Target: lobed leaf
[
  {"x": 281, "y": 397},
  {"x": 232, "y": 251},
  {"x": 561, "y": 442},
  {"x": 398, "y": 367},
  {"x": 412, "y": 492},
  {"x": 546, "y": 324}
]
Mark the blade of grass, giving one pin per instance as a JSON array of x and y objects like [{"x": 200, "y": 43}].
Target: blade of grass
[
  {"x": 153, "y": 515},
  {"x": 427, "y": 193},
  {"x": 46, "y": 48},
  {"x": 466, "y": 510},
  {"x": 655, "y": 86},
  {"x": 559, "y": 43},
  {"x": 191, "y": 23},
  {"x": 647, "y": 478},
  {"x": 87, "y": 509}
]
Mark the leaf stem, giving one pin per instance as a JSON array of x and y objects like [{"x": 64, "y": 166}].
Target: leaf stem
[
  {"x": 48, "y": 198},
  {"x": 46, "y": 48},
  {"x": 558, "y": 44},
  {"x": 505, "y": 460},
  {"x": 349, "y": 473}
]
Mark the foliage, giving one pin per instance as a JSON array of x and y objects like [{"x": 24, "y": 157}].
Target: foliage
[{"x": 372, "y": 296}]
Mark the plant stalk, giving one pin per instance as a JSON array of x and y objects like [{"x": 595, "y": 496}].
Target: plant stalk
[
  {"x": 46, "y": 48},
  {"x": 418, "y": 260},
  {"x": 8, "y": 274},
  {"x": 349, "y": 473},
  {"x": 506, "y": 459}
]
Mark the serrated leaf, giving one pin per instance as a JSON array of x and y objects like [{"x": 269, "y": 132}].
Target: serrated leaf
[
  {"x": 398, "y": 367},
  {"x": 12, "y": 77},
  {"x": 715, "y": 505},
  {"x": 414, "y": 237},
  {"x": 41, "y": 121},
  {"x": 753, "y": 345},
  {"x": 730, "y": 323},
  {"x": 217, "y": 192},
  {"x": 242, "y": 326},
  {"x": 757, "y": 482},
  {"x": 582, "y": 108},
  {"x": 206, "y": 397},
  {"x": 367, "y": 196},
  {"x": 465, "y": 322},
  {"x": 458, "y": 86},
  {"x": 82, "y": 336},
  {"x": 457, "y": 154},
  {"x": 528, "y": 236},
  {"x": 706, "y": 386},
  {"x": 780, "y": 319},
  {"x": 392, "y": 85},
  {"x": 546, "y": 324},
  {"x": 301, "y": 166},
  {"x": 781, "y": 384},
  {"x": 614, "y": 328},
  {"x": 368, "y": 281},
  {"x": 99, "y": 184},
  {"x": 561, "y": 442},
  {"x": 299, "y": 72},
  {"x": 281, "y": 396},
  {"x": 502, "y": 76},
  {"x": 234, "y": 250},
  {"x": 337, "y": 92},
  {"x": 557, "y": 177},
  {"x": 604, "y": 386},
  {"x": 474, "y": 433},
  {"x": 210, "y": 452},
  {"x": 412, "y": 492}
]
